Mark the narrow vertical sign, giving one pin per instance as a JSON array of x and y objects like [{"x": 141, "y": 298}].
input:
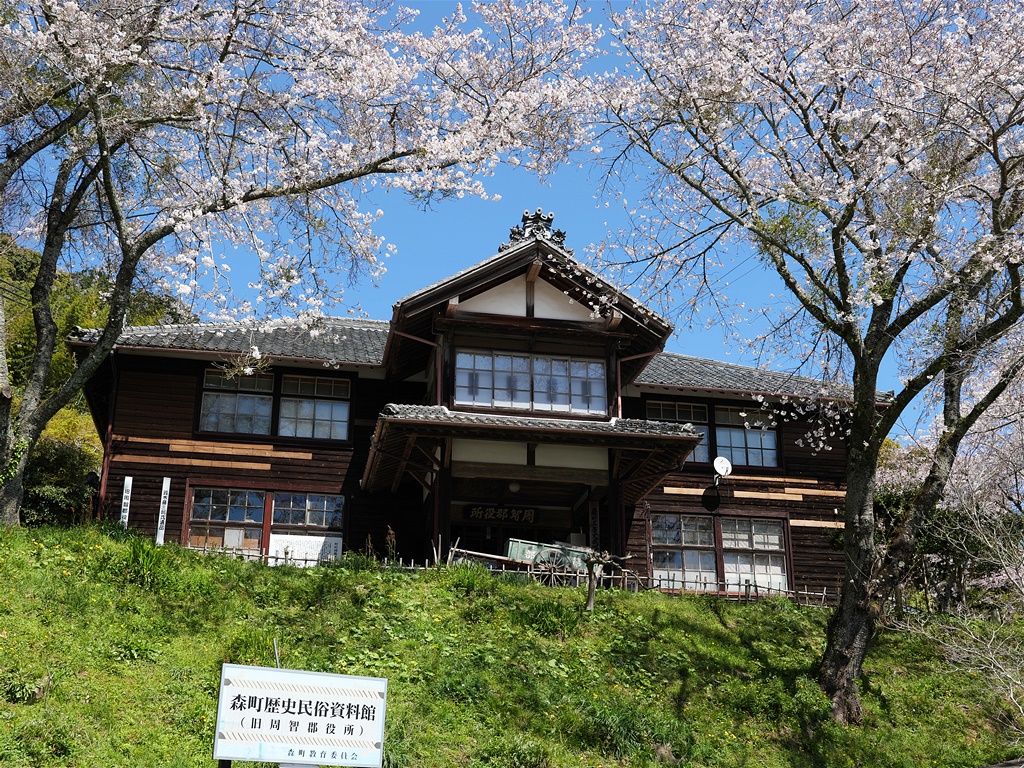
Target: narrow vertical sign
[
  {"x": 161, "y": 523},
  {"x": 126, "y": 500}
]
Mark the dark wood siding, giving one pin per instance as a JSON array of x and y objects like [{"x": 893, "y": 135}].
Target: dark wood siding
[
  {"x": 155, "y": 436},
  {"x": 807, "y": 490}
]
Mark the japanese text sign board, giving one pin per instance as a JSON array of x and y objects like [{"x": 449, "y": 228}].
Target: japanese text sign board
[{"x": 301, "y": 718}]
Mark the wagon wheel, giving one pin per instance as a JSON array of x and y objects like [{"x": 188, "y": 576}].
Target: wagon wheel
[{"x": 551, "y": 566}]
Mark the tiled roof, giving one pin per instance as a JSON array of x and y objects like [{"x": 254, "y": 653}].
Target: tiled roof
[
  {"x": 669, "y": 369},
  {"x": 336, "y": 340},
  {"x": 362, "y": 342},
  {"x": 441, "y": 415}
]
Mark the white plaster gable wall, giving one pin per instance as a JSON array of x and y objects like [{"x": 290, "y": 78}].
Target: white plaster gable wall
[
  {"x": 505, "y": 299},
  {"x": 551, "y": 304},
  {"x": 509, "y": 299}
]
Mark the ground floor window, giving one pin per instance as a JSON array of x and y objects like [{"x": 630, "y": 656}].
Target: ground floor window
[
  {"x": 249, "y": 520},
  {"x": 703, "y": 553},
  {"x": 224, "y": 518}
]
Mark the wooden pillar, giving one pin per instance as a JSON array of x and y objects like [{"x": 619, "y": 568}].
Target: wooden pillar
[{"x": 444, "y": 497}]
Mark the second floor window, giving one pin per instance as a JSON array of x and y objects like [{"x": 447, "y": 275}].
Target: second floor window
[
  {"x": 314, "y": 407},
  {"x": 746, "y": 439},
  {"x": 237, "y": 404},
  {"x": 531, "y": 382},
  {"x": 683, "y": 413}
]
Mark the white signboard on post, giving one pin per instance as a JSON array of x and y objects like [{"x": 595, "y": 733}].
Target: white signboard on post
[
  {"x": 300, "y": 718},
  {"x": 161, "y": 523},
  {"x": 126, "y": 500}
]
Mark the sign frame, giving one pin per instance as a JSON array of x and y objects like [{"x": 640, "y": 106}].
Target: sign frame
[{"x": 297, "y": 717}]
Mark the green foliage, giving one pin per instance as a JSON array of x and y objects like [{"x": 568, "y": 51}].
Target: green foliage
[
  {"x": 56, "y": 491},
  {"x": 146, "y": 564},
  {"x": 513, "y": 752},
  {"x": 110, "y": 654},
  {"x": 77, "y": 299}
]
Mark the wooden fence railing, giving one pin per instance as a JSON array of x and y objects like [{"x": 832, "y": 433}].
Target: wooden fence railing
[{"x": 625, "y": 579}]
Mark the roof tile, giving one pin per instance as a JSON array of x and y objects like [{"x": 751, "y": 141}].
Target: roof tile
[{"x": 333, "y": 340}]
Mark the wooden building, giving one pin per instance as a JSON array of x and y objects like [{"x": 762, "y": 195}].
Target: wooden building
[{"x": 523, "y": 398}]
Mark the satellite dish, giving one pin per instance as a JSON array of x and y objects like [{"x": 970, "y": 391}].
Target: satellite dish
[{"x": 723, "y": 467}]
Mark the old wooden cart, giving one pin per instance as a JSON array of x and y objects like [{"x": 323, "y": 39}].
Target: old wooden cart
[{"x": 557, "y": 564}]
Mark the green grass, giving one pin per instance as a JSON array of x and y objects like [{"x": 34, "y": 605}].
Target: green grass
[{"x": 110, "y": 654}]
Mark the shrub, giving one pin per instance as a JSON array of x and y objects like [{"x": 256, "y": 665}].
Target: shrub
[{"x": 56, "y": 492}]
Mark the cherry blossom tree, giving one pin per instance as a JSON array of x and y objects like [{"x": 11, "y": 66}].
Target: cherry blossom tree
[
  {"x": 154, "y": 138},
  {"x": 978, "y": 528},
  {"x": 868, "y": 154}
]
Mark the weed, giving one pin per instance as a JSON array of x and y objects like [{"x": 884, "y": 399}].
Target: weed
[
  {"x": 22, "y": 687},
  {"x": 549, "y": 617},
  {"x": 468, "y": 580},
  {"x": 130, "y": 650},
  {"x": 356, "y": 561},
  {"x": 482, "y": 670},
  {"x": 146, "y": 564},
  {"x": 513, "y": 752}
]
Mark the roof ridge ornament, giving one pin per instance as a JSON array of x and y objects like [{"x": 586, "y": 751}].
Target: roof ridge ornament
[{"x": 536, "y": 226}]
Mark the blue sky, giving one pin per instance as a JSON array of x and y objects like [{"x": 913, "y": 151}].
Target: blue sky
[{"x": 456, "y": 234}]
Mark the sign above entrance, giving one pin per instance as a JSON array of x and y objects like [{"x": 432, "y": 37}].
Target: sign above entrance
[
  {"x": 503, "y": 514},
  {"x": 498, "y": 514}
]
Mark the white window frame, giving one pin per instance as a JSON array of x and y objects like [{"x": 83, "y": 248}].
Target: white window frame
[
  {"x": 320, "y": 511},
  {"x": 241, "y": 404},
  {"x": 539, "y": 383},
  {"x": 236, "y": 513},
  {"x": 746, "y": 439},
  {"x": 314, "y": 407},
  {"x": 686, "y": 550}
]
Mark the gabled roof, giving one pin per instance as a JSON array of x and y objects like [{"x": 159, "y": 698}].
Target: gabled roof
[
  {"x": 536, "y": 250},
  {"x": 595, "y": 292},
  {"x": 333, "y": 340}
]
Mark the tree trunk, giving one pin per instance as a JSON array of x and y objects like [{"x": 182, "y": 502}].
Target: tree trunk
[
  {"x": 10, "y": 497},
  {"x": 849, "y": 632},
  {"x": 852, "y": 625}
]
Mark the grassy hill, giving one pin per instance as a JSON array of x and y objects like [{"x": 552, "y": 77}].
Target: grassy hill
[{"x": 110, "y": 654}]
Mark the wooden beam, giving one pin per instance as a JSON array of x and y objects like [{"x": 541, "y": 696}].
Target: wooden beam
[
  {"x": 672, "y": 491},
  {"x": 211, "y": 446},
  {"x": 431, "y": 458},
  {"x": 817, "y": 524},
  {"x": 774, "y": 479},
  {"x": 768, "y": 496},
  {"x": 452, "y": 308},
  {"x": 816, "y": 492},
  {"x": 410, "y": 443},
  {"x": 192, "y": 462},
  {"x": 533, "y": 271}
]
